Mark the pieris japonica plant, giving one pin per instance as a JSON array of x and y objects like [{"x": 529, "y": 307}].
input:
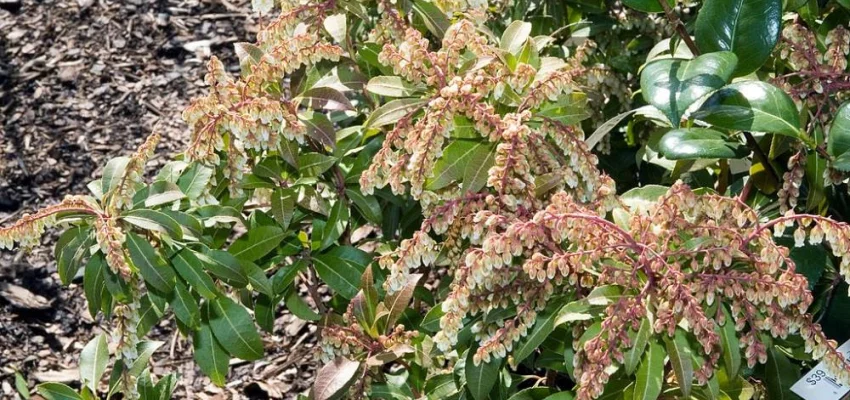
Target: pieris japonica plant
[{"x": 428, "y": 163}]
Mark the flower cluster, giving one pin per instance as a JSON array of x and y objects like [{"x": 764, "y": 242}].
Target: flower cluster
[
  {"x": 247, "y": 114},
  {"x": 28, "y": 230},
  {"x": 122, "y": 195}
]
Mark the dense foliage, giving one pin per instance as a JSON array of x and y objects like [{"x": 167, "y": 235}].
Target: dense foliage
[{"x": 428, "y": 162}]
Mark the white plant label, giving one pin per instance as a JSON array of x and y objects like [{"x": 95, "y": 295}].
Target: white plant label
[{"x": 818, "y": 384}]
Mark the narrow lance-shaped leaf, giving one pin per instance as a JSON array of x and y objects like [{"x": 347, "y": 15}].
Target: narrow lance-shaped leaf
[
  {"x": 333, "y": 380},
  {"x": 681, "y": 357},
  {"x": 696, "y": 143},
  {"x": 481, "y": 378},
  {"x": 650, "y": 374},
  {"x": 93, "y": 360},
  {"x": 209, "y": 354},
  {"x": 234, "y": 329},
  {"x": 154, "y": 270}
]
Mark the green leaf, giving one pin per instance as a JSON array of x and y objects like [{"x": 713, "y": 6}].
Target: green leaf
[
  {"x": 209, "y": 354},
  {"x": 672, "y": 85},
  {"x": 163, "y": 193},
  {"x": 341, "y": 275},
  {"x": 431, "y": 322},
  {"x": 336, "y": 26},
  {"x": 650, "y": 374},
  {"x": 113, "y": 173},
  {"x": 154, "y": 221},
  {"x": 69, "y": 252},
  {"x": 434, "y": 18},
  {"x": 337, "y": 221},
  {"x": 145, "y": 351},
  {"x": 568, "y": 109},
  {"x": 748, "y": 28},
  {"x": 314, "y": 164},
  {"x": 191, "y": 269},
  {"x": 544, "y": 325},
  {"x": 752, "y": 106},
  {"x": 697, "y": 143},
  {"x": 635, "y": 353},
  {"x": 93, "y": 361},
  {"x": 234, "y": 329},
  {"x": 257, "y": 242},
  {"x": 393, "y": 111},
  {"x": 461, "y": 160},
  {"x": 367, "y": 205},
  {"x": 334, "y": 379},
  {"x": 648, "y": 6},
  {"x": 515, "y": 36},
  {"x": 779, "y": 375},
  {"x": 398, "y": 301},
  {"x": 320, "y": 128},
  {"x": 283, "y": 206},
  {"x": 325, "y": 98},
  {"x": 225, "y": 266},
  {"x": 57, "y": 391},
  {"x": 21, "y": 385},
  {"x": 153, "y": 268},
  {"x": 194, "y": 180},
  {"x": 185, "y": 306},
  {"x": 390, "y": 86},
  {"x": 257, "y": 278},
  {"x": 440, "y": 386},
  {"x": 682, "y": 358},
  {"x": 730, "y": 344},
  {"x": 481, "y": 378},
  {"x": 838, "y": 142},
  {"x": 299, "y": 308}
]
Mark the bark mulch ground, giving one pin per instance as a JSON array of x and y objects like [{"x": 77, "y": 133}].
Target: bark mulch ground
[{"x": 82, "y": 81}]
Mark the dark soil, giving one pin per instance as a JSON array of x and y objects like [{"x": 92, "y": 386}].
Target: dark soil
[{"x": 82, "y": 81}]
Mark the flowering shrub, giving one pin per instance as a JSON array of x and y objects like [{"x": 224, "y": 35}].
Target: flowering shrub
[{"x": 428, "y": 162}]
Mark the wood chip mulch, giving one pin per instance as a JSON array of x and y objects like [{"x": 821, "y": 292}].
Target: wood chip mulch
[{"x": 82, "y": 81}]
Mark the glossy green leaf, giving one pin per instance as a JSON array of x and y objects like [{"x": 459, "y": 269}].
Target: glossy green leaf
[
  {"x": 210, "y": 355},
  {"x": 434, "y": 18},
  {"x": 636, "y": 351},
  {"x": 191, "y": 269},
  {"x": 341, "y": 275},
  {"x": 681, "y": 358},
  {"x": 185, "y": 306},
  {"x": 393, "y": 111},
  {"x": 650, "y": 374},
  {"x": 779, "y": 375},
  {"x": 752, "y": 106},
  {"x": 21, "y": 385},
  {"x": 57, "y": 391},
  {"x": 257, "y": 277},
  {"x": 319, "y": 127},
  {"x": 730, "y": 344},
  {"x": 334, "y": 379},
  {"x": 113, "y": 173},
  {"x": 440, "y": 387},
  {"x": 325, "y": 98},
  {"x": 367, "y": 205},
  {"x": 336, "y": 224},
  {"x": 93, "y": 360},
  {"x": 748, "y": 28},
  {"x": 314, "y": 164},
  {"x": 462, "y": 160},
  {"x": 515, "y": 36},
  {"x": 194, "y": 180},
  {"x": 390, "y": 86},
  {"x": 69, "y": 252},
  {"x": 257, "y": 242},
  {"x": 567, "y": 109},
  {"x": 696, "y": 143},
  {"x": 673, "y": 85},
  {"x": 145, "y": 350},
  {"x": 94, "y": 284},
  {"x": 648, "y": 6},
  {"x": 283, "y": 206},
  {"x": 225, "y": 266},
  {"x": 155, "y": 221},
  {"x": 544, "y": 325},
  {"x": 235, "y": 330},
  {"x": 838, "y": 142},
  {"x": 153, "y": 268},
  {"x": 481, "y": 378},
  {"x": 299, "y": 308}
]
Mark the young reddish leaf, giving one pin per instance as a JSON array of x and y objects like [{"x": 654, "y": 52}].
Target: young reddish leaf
[{"x": 334, "y": 379}]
